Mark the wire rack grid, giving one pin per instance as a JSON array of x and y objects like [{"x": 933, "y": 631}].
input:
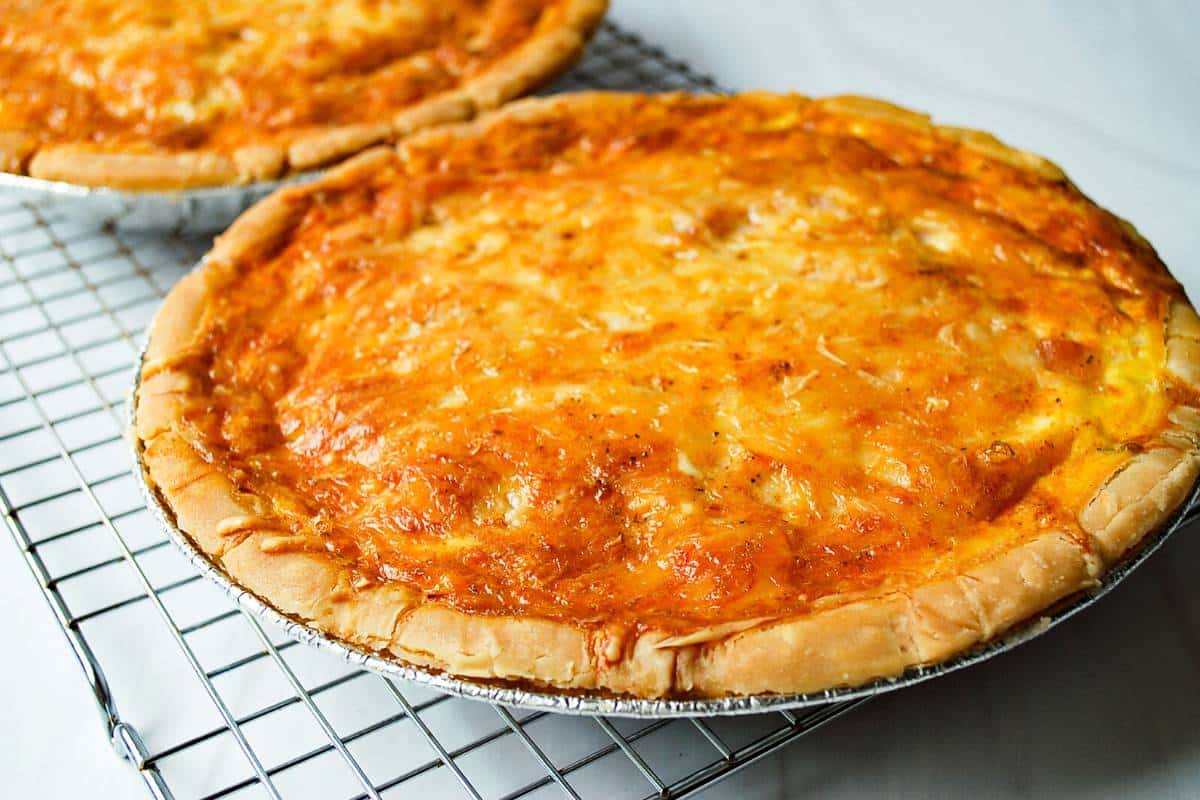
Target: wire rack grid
[{"x": 201, "y": 698}]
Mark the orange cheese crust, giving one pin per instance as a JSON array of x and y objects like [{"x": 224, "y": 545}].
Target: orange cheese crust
[
  {"x": 174, "y": 94},
  {"x": 674, "y": 395}
]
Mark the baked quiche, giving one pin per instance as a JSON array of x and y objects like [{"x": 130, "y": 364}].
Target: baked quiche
[
  {"x": 152, "y": 94},
  {"x": 674, "y": 396}
]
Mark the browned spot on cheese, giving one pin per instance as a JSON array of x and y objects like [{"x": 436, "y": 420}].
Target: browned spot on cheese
[
  {"x": 1001, "y": 474},
  {"x": 1071, "y": 358}
]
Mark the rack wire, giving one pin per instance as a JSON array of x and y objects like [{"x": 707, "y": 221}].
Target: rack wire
[{"x": 200, "y": 697}]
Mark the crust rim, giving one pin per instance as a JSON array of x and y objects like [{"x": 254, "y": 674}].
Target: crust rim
[{"x": 846, "y": 641}]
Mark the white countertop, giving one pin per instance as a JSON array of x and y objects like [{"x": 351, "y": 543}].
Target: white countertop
[{"x": 1106, "y": 705}]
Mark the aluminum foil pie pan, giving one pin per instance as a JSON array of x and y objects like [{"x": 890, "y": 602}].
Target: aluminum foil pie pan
[
  {"x": 579, "y": 703},
  {"x": 175, "y": 211}
]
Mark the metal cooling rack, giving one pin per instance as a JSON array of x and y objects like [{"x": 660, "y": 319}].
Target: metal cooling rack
[{"x": 202, "y": 699}]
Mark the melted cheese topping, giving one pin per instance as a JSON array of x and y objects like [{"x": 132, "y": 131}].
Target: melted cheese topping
[
  {"x": 680, "y": 361},
  {"x": 180, "y": 74}
]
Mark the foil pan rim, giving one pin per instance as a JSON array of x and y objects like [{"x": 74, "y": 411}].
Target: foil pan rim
[
  {"x": 66, "y": 189},
  {"x": 174, "y": 212},
  {"x": 587, "y": 704}
]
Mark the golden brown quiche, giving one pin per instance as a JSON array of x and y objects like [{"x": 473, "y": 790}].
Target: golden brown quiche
[
  {"x": 674, "y": 395},
  {"x": 144, "y": 94}
]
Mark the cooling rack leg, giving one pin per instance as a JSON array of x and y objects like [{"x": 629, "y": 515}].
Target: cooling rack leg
[{"x": 128, "y": 744}]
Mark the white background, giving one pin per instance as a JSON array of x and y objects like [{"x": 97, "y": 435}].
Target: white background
[{"x": 1107, "y": 705}]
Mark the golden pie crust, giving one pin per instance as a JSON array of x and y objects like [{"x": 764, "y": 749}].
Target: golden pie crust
[
  {"x": 674, "y": 396},
  {"x": 175, "y": 94}
]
